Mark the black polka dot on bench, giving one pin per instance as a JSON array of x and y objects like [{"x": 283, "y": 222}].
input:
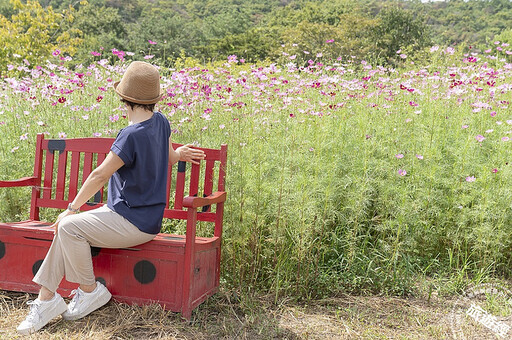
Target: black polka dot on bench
[
  {"x": 2, "y": 249},
  {"x": 144, "y": 271},
  {"x": 36, "y": 266},
  {"x": 101, "y": 280},
  {"x": 95, "y": 251}
]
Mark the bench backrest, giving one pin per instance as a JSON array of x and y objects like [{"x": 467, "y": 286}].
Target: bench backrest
[{"x": 62, "y": 165}]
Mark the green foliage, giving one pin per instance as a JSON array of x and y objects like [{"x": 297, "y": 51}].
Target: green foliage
[
  {"x": 33, "y": 32},
  {"x": 398, "y": 29}
]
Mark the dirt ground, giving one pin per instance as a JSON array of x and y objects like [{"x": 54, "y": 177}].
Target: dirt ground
[{"x": 222, "y": 317}]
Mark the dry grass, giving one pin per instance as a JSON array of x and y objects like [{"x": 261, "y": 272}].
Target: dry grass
[{"x": 347, "y": 317}]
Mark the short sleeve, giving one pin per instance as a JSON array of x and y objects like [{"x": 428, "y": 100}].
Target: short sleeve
[{"x": 123, "y": 147}]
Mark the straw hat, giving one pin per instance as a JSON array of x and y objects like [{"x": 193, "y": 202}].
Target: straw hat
[{"x": 140, "y": 84}]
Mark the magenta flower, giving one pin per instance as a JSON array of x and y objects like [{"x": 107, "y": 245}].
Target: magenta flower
[
  {"x": 402, "y": 172},
  {"x": 329, "y": 41},
  {"x": 151, "y": 42},
  {"x": 56, "y": 52},
  {"x": 493, "y": 113},
  {"x": 480, "y": 138},
  {"x": 96, "y": 54},
  {"x": 413, "y": 103},
  {"x": 494, "y": 170}
]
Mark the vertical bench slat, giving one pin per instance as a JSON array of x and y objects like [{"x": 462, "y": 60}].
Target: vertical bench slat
[
  {"x": 73, "y": 174},
  {"x": 208, "y": 177},
  {"x": 48, "y": 175},
  {"x": 168, "y": 189},
  {"x": 194, "y": 180},
  {"x": 101, "y": 158},
  {"x": 61, "y": 176},
  {"x": 180, "y": 185},
  {"x": 87, "y": 169},
  {"x": 38, "y": 169},
  {"x": 208, "y": 180},
  {"x": 222, "y": 171}
]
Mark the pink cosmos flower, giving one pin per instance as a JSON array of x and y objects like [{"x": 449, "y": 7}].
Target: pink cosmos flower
[
  {"x": 413, "y": 103},
  {"x": 494, "y": 170},
  {"x": 329, "y": 41},
  {"x": 56, "y": 52},
  {"x": 419, "y": 156},
  {"x": 96, "y": 54},
  {"x": 62, "y": 135},
  {"x": 399, "y": 156},
  {"x": 505, "y": 139},
  {"x": 402, "y": 172},
  {"x": 465, "y": 126},
  {"x": 149, "y": 56},
  {"x": 470, "y": 179},
  {"x": 480, "y": 138},
  {"x": 493, "y": 113},
  {"x": 151, "y": 42}
]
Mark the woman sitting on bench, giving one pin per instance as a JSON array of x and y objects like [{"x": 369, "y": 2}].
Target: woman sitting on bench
[{"x": 136, "y": 169}]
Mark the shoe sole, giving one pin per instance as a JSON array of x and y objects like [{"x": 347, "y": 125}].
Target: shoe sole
[{"x": 98, "y": 304}]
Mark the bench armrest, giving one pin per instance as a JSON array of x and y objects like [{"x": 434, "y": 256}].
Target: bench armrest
[
  {"x": 22, "y": 182},
  {"x": 196, "y": 202}
]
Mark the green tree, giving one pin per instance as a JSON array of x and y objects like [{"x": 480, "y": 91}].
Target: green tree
[
  {"x": 398, "y": 29},
  {"x": 33, "y": 32}
]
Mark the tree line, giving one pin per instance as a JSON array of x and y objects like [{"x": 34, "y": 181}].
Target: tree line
[{"x": 210, "y": 30}]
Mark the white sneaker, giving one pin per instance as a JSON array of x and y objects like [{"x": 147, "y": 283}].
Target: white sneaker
[
  {"x": 84, "y": 303},
  {"x": 41, "y": 312}
]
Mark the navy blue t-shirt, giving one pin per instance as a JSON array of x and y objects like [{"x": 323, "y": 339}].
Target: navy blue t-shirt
[{"x": 137, "y": 190}]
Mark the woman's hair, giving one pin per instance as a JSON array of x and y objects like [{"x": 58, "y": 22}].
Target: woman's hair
[{"x": 147, "y": 107}]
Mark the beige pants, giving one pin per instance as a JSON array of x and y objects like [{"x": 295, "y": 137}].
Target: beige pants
[{"x": 70, "y": 252}]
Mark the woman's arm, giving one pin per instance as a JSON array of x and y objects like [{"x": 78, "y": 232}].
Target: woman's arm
[{"x": 94, "y": 182}]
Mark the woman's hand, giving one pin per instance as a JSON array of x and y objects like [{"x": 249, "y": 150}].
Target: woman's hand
[
  {"x": 188, "y": 154},
  {"x": 59, "y": 218}
]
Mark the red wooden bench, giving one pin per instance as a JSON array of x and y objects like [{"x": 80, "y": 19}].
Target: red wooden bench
[{"x": 177, "y": 271}]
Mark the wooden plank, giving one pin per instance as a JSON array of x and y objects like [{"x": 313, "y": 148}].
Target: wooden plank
[
  {"x": 38, "y": 168},
  {"x": 61, "y": 176},
  {"x": 73, "y": 174},
  {"x": 93, "y": 145},
  {"x": 48, "y": 175},
  {"x": 194, "y": 180},
  {"x": 101, "y": 158},
  {"x": 180, "y": 185},
  {"x": 87, "y": 168}
]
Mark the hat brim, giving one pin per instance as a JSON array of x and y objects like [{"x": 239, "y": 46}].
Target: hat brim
[{"x": 135, "y": 100}]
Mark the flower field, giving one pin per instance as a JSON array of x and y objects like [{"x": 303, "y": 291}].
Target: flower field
[{"x": 342, "y": 176}]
